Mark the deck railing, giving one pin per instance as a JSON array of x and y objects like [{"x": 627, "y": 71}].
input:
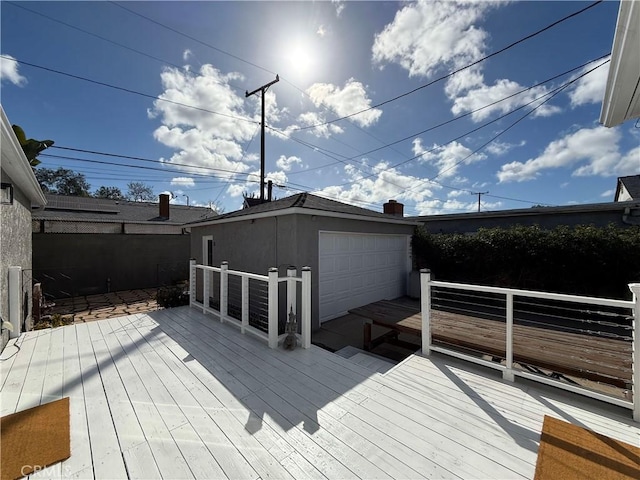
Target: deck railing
[
  {"x": 507, "y": 365},
  {"x": 258, "y": 312}
]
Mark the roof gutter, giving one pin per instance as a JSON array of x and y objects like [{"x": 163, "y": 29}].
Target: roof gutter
[{"x": 15, "y": 163}]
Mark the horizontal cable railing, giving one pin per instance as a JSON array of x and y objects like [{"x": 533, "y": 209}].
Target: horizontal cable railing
[
  {"x": 251, "y": 301},
  {"x": 569, "y": 341}
]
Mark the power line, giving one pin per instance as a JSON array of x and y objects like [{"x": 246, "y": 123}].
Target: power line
[
  {"x": 191, "y": 38},
  {"x": 444, "y": 77},
  {"x": 128, "y": 90},
  {"x": 113, "y": 42},
  {"x": 409, "y": 137}
]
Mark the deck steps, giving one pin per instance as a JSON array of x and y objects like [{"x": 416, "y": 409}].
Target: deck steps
[{"x": 368, "y": 360}]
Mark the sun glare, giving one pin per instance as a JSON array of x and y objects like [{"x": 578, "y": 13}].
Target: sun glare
[{"x": 300, "y": 60}]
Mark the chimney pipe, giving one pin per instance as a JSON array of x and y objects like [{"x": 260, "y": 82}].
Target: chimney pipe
[
  {"x": 393, "y": 208},
  {"x": 269, "y": 190},
  {"x": 164, "y": 206}
]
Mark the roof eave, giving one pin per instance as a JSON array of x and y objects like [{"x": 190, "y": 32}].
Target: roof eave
[
  {"x": 305, "y": 211},
  {"x": 622, "y": 94},
  {"x": 15, "y": 163}
]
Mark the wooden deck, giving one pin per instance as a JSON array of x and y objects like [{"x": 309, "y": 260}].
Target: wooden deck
[
  {"x": 593, "y": 358},
  {"x": 175, "y": 394}
]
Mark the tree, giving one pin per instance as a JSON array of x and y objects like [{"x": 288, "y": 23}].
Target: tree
[
  {"x": 62, "y": 182},
  {"x": 112, "y": 193},
  {"x": 31, "y": 147},
  {"x": 139, "y": 192}
]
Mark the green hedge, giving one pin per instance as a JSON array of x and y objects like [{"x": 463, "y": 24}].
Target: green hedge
[{"x": 583, "y": 260}]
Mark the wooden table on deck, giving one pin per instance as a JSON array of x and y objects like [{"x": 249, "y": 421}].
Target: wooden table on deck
[{"x": 594, "y": 358}]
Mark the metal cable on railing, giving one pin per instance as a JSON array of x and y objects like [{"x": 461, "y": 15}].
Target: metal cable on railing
[{"x": 583, "y": 341}]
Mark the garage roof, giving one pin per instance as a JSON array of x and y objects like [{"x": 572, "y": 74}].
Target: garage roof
[{"x": 305, "y": 203}]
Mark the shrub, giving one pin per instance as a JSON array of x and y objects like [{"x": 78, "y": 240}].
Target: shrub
[
  {"x": 583, "y": 260},
  {"x": 172, "y": 296}
]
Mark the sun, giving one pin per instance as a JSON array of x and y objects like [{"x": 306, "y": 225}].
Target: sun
[{"x": 300, "y": 60}]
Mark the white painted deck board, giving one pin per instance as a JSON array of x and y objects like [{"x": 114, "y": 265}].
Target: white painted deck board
[{"x": 177, "y": 394}]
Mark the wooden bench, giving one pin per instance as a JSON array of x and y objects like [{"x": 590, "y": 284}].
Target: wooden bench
[{"x": 590, "y": 357}]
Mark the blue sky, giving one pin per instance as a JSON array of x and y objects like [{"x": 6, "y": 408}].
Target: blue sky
[{"x": 333, "y": 59}]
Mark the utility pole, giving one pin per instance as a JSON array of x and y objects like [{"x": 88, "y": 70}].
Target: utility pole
[
  {"x": 479, "y": 195},
  {"x": 263, "y": 90}
]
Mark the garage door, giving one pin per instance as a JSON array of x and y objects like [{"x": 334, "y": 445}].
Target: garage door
[{"x": 357, "y": 269}]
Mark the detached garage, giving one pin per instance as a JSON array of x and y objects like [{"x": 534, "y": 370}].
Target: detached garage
[{"x": 357, "y": 256}]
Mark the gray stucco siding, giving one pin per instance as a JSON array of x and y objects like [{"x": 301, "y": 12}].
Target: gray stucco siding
[{"x": 15, "y": 245}]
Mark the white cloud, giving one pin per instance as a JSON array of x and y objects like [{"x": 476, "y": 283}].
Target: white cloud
[
  {"x": 436, "y": 206},
  {"x": 187, "y": 54},
  {"x": 608, "y": 193},
  {"x": 595, "y": 151},
  {"x": 469, "y": 98},
  {"x": 183, "y": 181},
  {"x": 285, "y": 163},
  {"x": 350, "y": 99},
  {"x": 500, "y": 148},
  {"x": 9, "y": 71},
  {"x": 321, "y": 130},
  {"x": 431, "y": 37},
  {"x": 322, "y": 31},
  {"x": 384, "y": 183},
  {"x": 446, "y": 158},
  {"x": 426, "y": 36},
  {"x": 213, "y": 142},
  {"x": 339, "y": 4},
  {"x": 590, "y": 88}
]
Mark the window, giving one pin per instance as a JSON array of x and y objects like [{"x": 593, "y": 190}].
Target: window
[{"x": 6, "y": 196}]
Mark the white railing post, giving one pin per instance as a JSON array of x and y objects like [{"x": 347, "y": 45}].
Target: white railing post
[
  {"x": 224, "y": 290},
  {"x": 425, "y": 307},
  {"x": 507, "y": 374},
  {"x": 206, "y": 278},
  {"x": 15, "y": 300},
  {"x": 306, "y": 307},
  {"x": 192, "y": 281},
  {"x": 292, "y": 290},
  {"x": 245, "y": 304},
  {"x": 273, "y": 307},
  {"x": 635, "y": 353}
]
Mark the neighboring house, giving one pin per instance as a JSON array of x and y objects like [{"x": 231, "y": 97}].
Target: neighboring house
[
  {"x": 85, "y": 245},
  {"x": 357, "y": 256},
  {"x": 628, "y": 188},
  {"x": 598, "y": 214},
  {"x": 20, "y": 190},
  {"x": 622, "y": 94}
]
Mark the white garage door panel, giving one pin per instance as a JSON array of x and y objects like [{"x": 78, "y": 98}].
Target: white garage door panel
[{"x": 356, "y": 269}]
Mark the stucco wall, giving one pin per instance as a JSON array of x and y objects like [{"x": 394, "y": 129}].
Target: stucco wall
[
  {"x": 84, "y": 264},
  {"x": 255, "y": 246},
  {"x": 15, "y": 248}
]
